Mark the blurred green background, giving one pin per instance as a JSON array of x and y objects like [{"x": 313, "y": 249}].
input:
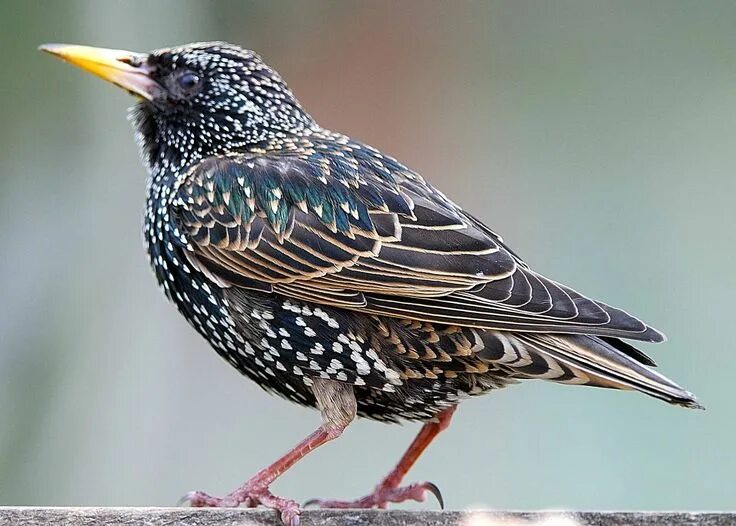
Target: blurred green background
[{"x": 598, "y": 137}]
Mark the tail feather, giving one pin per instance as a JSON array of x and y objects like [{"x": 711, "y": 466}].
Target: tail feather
[
  {"x": 599, "y": 362},
  {"x": 629, "y": 350}
]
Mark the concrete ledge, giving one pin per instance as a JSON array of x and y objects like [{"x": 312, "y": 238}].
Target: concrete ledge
[{"x": 31, "y": 516}]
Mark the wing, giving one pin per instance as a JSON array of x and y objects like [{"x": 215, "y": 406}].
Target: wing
[{"x": 333, "y": 221}]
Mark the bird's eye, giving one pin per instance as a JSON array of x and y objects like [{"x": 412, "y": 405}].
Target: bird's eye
[{"x": 188, "y": 81}]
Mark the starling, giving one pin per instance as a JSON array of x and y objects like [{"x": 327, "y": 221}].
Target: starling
[{"x": 334, "y": 276}]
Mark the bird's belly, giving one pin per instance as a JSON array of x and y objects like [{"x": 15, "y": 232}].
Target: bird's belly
[{"x": 283, "y": 345}]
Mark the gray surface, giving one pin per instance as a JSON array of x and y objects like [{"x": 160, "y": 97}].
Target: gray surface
[{"x": 230, "y": 517}]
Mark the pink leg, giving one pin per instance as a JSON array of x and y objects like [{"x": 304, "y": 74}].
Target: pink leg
[
  {"x": 388, "y": 490},
  {"x": 256, "y": 491}
]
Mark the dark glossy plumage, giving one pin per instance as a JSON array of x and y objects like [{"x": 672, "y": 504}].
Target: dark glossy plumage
[{"x": 300, "y": 253}]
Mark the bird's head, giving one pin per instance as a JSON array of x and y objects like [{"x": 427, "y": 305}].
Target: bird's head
[{"x": 196, "y": 100}]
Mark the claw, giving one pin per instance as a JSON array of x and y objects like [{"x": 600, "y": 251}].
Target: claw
[
  {"x": 434, "y": 490},
  {"x": 311, "y": 502}
]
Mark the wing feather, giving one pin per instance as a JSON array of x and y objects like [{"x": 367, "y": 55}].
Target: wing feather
[{"x": 332, "y": 221}]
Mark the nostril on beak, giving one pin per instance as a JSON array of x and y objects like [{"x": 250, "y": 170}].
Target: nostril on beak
[{"x": 132, "y": 60}]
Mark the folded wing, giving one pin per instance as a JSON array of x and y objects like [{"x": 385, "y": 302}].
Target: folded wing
[{"x": 333, "y": 221}]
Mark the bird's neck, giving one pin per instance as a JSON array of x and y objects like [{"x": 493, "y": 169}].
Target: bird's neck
[{"x": 170, "y": 143}]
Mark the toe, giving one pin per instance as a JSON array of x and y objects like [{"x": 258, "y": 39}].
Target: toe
[
  {"x": 199, "y": 499},
  {"x": 290, "y": 516}
]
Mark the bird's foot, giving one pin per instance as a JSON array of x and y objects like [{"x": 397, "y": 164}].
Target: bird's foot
[
  {"x": 250, "y": 496},
  {"x": 383, "y": 495}
]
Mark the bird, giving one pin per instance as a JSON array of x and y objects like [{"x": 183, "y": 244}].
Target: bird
[{"x": 334, "y": 276}]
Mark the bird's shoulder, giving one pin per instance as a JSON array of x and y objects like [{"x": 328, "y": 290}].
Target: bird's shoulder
[{"x": 336, "y": 179}]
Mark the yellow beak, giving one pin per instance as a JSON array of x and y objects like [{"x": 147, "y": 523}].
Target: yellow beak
[{"x": 123, "y": 68}]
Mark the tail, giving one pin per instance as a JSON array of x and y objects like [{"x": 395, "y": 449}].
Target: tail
[{"x": 598, "y": 362}]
